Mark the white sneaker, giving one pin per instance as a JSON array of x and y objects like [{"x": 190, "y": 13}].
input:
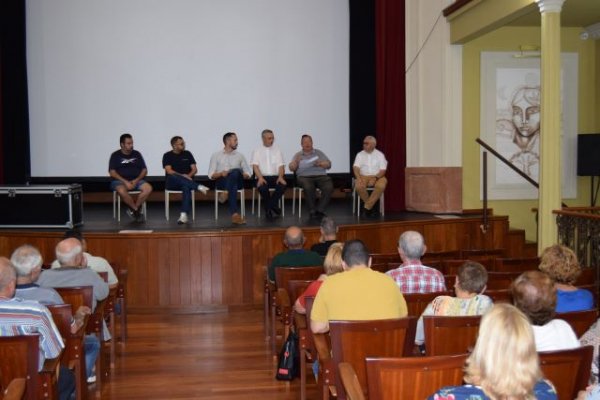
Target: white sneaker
[
  {"x": 183, "y": 219},
  {"x": 203, "y": 189}
]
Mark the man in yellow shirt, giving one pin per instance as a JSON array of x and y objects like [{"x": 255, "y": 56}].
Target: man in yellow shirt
[{"x": 358, "y": 293}]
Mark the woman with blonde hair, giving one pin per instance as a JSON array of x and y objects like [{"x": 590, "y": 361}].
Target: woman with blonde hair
[
  {"x": 332, "y": 265},
  {"x": 560, "y": 263},
  {"x": 504, "y": 364}
]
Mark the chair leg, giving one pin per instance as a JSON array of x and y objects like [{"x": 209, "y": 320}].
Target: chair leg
[
  {"x": 118, "y": 208},
  {"x": 193, "y": 205},
  {"x": 273, "y": 331},
  {"x": 303, "y": 374},
  {"x": 216, "y": 205},
  {"x": 112, "y": 339},
  {"x": 266, "y": 313},
  {"x": 167, "y": 195}
]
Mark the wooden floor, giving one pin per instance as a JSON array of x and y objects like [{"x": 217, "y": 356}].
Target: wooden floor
[{"x": 198, "y": 356}]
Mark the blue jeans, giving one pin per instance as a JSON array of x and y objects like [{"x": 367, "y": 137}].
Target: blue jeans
[
  {"x": 91, "y": 348},
  {"x": 178, "y": 182},
  {"x": 114, "y": 183},
  {"x": 269, "y": 201},
  {"x": 233, "y": 182}
]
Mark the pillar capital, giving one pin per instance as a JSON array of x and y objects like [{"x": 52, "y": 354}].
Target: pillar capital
[{"x": 550, "y": 5}]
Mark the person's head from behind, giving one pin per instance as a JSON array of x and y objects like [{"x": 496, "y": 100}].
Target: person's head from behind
[
  {"x": 355, "y": 253},
  {"x": 333, "y": 259},
  {"x": 8, "y": 278},
  {"x": 267, "y": 137},
  {"x": 294, "y": 238},
  {"x": 504, "y": 362},
  {"x": 27, "y": 261},
  {"x": 328, "y": 228},
  {"x": 75, "y": 233},
  {"x": 533, "y": 292},
  {"x": 230, "y": 140},
  {"x": 126, "y": 142},
  {"x": 560, "y": 263},
  {"x": 69, "y": 253},
  {"x": 411, "y": 246},
  {"x": 472, "y": 277}
]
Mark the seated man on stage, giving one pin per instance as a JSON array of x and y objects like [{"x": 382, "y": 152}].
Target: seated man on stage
[
  {"x": 310, "y": 166},
  {"x": 128, "y": 169},
  {"x": 180, "y": 168},
  {"x": 369, "y": 171},
  {"x": 229, "y": 168},
  {"x": 269, "y": 169}
]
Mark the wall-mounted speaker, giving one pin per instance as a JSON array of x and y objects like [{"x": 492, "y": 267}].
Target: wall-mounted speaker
[{"x": 588, "y": 154}]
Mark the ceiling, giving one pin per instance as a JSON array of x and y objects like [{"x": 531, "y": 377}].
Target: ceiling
[{"x": 582, "y": 13}]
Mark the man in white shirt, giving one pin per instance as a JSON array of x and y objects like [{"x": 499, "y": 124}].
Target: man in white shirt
[
  {"x": 269, "y": 169},
  {"x": 229, "y": 168},
  {"x": 369, "y": 170}
]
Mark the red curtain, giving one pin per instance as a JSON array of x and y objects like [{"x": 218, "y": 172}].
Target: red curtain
[{"x": 390, "y": 96}]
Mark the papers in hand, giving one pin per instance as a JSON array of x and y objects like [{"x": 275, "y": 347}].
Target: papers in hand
[{"x": 309, "y": 161}]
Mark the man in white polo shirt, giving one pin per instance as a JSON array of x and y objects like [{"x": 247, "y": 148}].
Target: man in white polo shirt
[{"x": 369, "y": 170}]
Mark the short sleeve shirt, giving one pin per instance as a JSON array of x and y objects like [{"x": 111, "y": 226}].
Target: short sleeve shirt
[
  {"x": 268, "y": 160},
  {"x": 370, "y": 163},
  {"x": 181, "y": 163},
  {"x": 416, "y": 278},
  {"x": 307, "y": 167},
  {"x": 128, "y": 166}
]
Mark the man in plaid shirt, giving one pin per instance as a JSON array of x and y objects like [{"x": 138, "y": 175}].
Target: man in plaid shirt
[{"x": 412, "y": 276}]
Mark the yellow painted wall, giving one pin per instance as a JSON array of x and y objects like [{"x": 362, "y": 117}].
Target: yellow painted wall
[{"x": 509, "y": 39}]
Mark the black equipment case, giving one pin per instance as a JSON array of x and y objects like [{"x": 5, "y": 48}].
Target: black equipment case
[{"x": 41, "y": 206}]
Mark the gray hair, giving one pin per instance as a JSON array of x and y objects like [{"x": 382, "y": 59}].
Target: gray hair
[
  {"x": 371, "y": 138},
  {"x": 328, "y": 226},
  {"x": 25, "y": 259},
  {"x": 66, "y": 258},
  {"x": 412, "y": 245},
  {"x": 7, "y": 273}
]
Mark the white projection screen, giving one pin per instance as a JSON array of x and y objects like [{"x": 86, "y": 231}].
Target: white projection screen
[{"x": 194, "y": 68}]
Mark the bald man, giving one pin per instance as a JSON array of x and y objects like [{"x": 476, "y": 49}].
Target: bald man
[
  {"x": 296, "y": 255},
  {"x": 73, "y": 271},
  {"x": 25, "y": 317}
]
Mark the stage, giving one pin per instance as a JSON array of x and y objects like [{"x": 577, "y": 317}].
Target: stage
[{"x": 211, "y": 265}]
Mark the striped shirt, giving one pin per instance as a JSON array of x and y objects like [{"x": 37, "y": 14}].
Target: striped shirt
[
  {"x": 26, "y": 317},
  {"x": 417, "y": 278}
]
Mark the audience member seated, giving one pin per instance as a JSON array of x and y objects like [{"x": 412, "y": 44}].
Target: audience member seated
[
  {"x": 332, "y": 265},
  {"x": 358, "y": 293},
  {"x": 328, "y": 237},
  {"x": 560, "y": 263},
  {"x": 534, "y": 294},
  {"x": 504, "y": 363},
  {"x": 27, "y": 261},
  {"x": 26, "y": 317},
  {"x": 469, "y": 286},
  {"x": 295, "y": 256},
  {"x": 412, "y": 276},
  {"x": 592, "y": 338},
  {"x": 98, "y": 264}
]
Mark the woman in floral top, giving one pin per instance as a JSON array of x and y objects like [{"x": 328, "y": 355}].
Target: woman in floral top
[
  {"x": 504, "y": 363},
  {"x": 470, "y": 283}
]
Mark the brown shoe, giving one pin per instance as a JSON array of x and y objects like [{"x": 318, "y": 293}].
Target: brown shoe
[
  {"x": 223, "y": 197},
  {"x": 237, "y": 219}
]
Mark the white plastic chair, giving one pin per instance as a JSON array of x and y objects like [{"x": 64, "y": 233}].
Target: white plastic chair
[
  {"x": 117, "y": 205},
  {"x": 167, "y": 202}
]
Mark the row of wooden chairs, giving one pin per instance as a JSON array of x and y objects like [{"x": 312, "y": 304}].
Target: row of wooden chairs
[
  {"x": 438, "y": 256},
  {"x": 404, "y": 378}
]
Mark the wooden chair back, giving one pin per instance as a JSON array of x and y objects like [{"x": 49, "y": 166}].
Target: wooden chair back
[
  {"x": 477, "y": 254},
  {"x": 307, "y": 348},
  {"x": 450, "y": 335},
  {"x": 438, "y": 256},
  {"x": 77, "y": 296},
  {"x": 15, "y": 390},
  {"x": 350, "y": 382},
  {"x": 285, "y": 274},
  {"x": 417, "y": 302},
  {"x": 516, "y": 264},
  {"x": 568, "y": 370},
  {"x": 580, "y": 321},
  {"x": 353, "y": 341},
  {"x": 500, "y": 295},
  {"x": 501, "y": 280},
  {"x": 383, "y": 267},
  {"x": 412, "y": 377},
  {"x": 296, "y": 287},
  {"x": 19, "y": 358},
  {"x": 451, "y": 266},
  {"x": 587, "y": 276},
  {"x": 384, "y": 258}
]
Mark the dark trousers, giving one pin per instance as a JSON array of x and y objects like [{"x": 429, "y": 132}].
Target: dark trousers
[
  {"x": 310, "y": 185},
  {"x": 269, "y": 200},
  {"x": 177, "y": 182},
  {"x": 233, "y": 182},
  {"x": 66, "y": 383}
]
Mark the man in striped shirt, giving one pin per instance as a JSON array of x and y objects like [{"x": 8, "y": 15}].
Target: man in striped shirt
[
  {"x": 412, "y": 276},
  {"x": 26, "y": 317}
]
